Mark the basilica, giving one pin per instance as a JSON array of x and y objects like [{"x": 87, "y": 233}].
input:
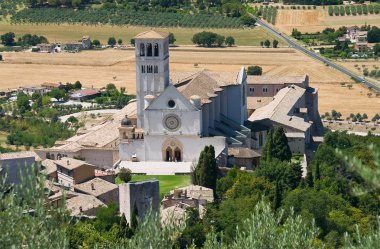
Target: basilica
[{"x": 177, "y": 116}]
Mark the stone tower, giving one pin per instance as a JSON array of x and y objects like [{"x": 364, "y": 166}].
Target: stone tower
[{"x": 152, "y": 67}]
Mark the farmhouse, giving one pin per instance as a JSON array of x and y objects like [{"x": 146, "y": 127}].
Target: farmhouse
[
  {"x": 85, "y": 94},
  {"x": 34, "y": 89}
]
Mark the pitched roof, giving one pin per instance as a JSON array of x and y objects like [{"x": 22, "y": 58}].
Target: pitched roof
[
  {"x": 267, "y": 80},
  {"x": 71, "y": 163},
  {"x": 241, "y": 152},
  {"x": 205, "y": 84},
  {"x": 152, "y": 34},
  {"x": 98, "y": 136},
  {"x": 50, "y": 166},
  {"x": 280, "y": 109},
  {"x": 198, "y": 192},
  {"x": 17, "y": 155},
  {"x": 96, "y": 187},
  {"x": 84, "y": 202}
]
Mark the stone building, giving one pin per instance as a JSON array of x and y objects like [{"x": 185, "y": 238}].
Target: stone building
[
  {"x": 72, "y": 171},
  {"x": 201, "y": 108},
  {"x": 15, "y": 165},
  {"x": 145, "y": 195}
]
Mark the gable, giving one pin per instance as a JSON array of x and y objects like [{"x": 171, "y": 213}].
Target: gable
[{"x": 171, "y": 94}]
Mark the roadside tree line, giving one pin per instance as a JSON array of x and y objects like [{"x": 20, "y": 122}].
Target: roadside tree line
[{"x": 354, "y": 10}]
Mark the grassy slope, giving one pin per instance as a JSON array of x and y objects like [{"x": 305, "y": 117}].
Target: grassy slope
[
  {"x": 167, "y": 183},
  {"x": 65, "y": 33}
]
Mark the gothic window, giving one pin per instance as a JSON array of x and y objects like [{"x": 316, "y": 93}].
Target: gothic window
[
  {"x": 265, "y": 89},
  {"x": 150, "y": 69},
  {"x": 143, "y": 69},
  {"x": 142, "y": 49},
  {"x": 155, "y": 49},
  {"x": 155, "y": 69},
  {"x": 149, "y": 49}
]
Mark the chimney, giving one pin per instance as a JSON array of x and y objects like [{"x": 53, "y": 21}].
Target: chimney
[
  {"x": 92, "y": 186},
  {"x": 68, "y": 162}
]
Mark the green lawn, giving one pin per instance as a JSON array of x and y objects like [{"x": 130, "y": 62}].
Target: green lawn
[{"x": 167, "y": 183}]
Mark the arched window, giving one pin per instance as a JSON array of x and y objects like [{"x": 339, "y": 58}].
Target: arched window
[
  {"x": 142, "y": 69},
  {"x": 155, "y": 49},
  {"x": 261, "y": 139},
  {"x": 155, "y": 69},
  {"x": 142, "y": 49},
  {"x": 149, "y": 49}
]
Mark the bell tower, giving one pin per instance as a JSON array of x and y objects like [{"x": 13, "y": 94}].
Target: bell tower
[{"x": 152, "y": 67}]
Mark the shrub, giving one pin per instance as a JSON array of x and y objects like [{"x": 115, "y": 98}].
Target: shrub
[
  {"x": 254, "y": 70},
  {"x": 230, "y": 41},
  {"x": 125, "y": 175}
]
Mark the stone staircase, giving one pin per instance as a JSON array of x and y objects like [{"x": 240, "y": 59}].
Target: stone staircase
[{"x": 235, "y": 133}]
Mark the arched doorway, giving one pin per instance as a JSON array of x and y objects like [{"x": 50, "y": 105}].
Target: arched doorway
[
  {"x": 168, "y": 154},
  {"x": 172, "y": 150}
]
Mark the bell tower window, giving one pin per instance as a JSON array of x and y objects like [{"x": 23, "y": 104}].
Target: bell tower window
[
  {"x": 142, "y": 49},
  {"x": 155, "y": 69},
  {"x": 155, "y": 49},
  {"x": 149, "y": 49}
]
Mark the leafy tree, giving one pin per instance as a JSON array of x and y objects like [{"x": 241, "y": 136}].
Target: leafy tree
[
  {"x": 296, "y": 34},
  {"x": 96, "y": 43},
  {"x": 1, "y": 57},
  {"x": 275, "y": 43},
  {"x": 230, "y": 41},
  {"x": 72, "y": 120},
  {"x": 132, "y": 42},
  {"x": 125, "y": 174},
  {"x": 208, "y": 39},
  {"x": 171, "y": 39},
  {"x": 288, "y": 174},
  {"x": 58, "y": 94},
  {"x": 8, "y": 39},
  {"x": 247, "y": 20},
  {"x": 27, "y": 221},
  {"x": 23, "y": 102},
  {"x": 120, "y": 41},
  {"x": 111, "y": 41},
  {"x": 77, "y": 85},
  {"x": 254, "y": 70},
  {"x": 267, "y": 43}
]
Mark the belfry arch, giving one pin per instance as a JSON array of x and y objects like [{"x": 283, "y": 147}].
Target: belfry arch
[{"x": 172, "y": 150}]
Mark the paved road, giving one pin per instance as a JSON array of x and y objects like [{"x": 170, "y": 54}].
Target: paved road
[{"x": 316, "y": 56}]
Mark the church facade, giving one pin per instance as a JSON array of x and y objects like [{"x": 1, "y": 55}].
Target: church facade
[{"x": 178, "y": 116}]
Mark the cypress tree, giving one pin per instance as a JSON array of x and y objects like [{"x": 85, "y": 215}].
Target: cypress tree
[
  {"x": 267, "y": 151},
  {"x": 206, "y": 172},
  {"x": 309, "y": 179},
  {"x": 317, "y": 174},
  {"x": 134, "y": 218},
  {"x": 281, "y": 148}
]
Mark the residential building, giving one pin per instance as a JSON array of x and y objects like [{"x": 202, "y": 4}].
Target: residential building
[
  {"x": 34, "y": 89},
  {"x": 72, "y": 171},
  {"x": 46, "y": 48}
]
